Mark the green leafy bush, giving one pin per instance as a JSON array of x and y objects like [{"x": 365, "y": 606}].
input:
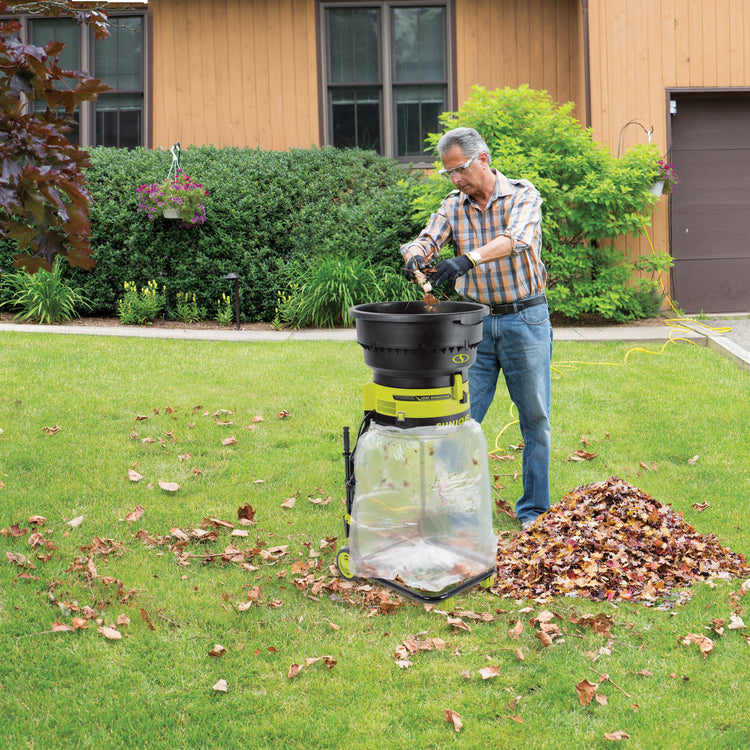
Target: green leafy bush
[
  {"x": 322, "y": 296},
  {"x": 43, "y": 296},
  {"x": 590, "y": 197},
  {"x": 268, "y": 214},
  {"x": 139, "y": 307},
  {"x": 188, "y": 309},
  {"x": 224, "y": 311}
]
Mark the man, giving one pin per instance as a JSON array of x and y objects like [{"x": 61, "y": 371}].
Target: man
[{"x": 494, "y": 225}]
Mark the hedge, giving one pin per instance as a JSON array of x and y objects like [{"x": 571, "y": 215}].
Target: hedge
[{"x": 270, "y": 216}]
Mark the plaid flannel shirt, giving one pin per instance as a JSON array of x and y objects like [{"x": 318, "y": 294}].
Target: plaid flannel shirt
[{"x": 514, "y": 210}]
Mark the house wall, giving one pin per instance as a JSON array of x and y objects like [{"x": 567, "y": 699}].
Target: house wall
[
  {"x": 254, "y": 81},
  {"x": 234, "y": 73},
  {"x": 641, "y": 48},
  {"x": 512, "y": 42}
]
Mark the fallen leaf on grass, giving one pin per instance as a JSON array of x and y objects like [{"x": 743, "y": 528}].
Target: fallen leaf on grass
[
  {"x": 217, "y": 650},
  {"x": 599, "y": 623},
  {"x": 586, "y": 691},
  {"x": 488, "y": 672},
  {"x": 289, "y": 503},
  {"x": 693, "y": 461},
  {"x": 458, "y": 623},
  {"x": 283, "y": 414},
  {"x": 295, "y": 669},
  {"x": 134, "y": 476},
  {"x": 52, "y": 430},
  {"x": 543, "y": 638},
  {"x": 76, "y": 522},
  {"x": 135, "y": 514},
  {"x": 147, "y": 619},
  {"x": 581, "y": 455},
  {"x": 452, "y": 717},
  {"x": 735, "y": 622},
  {"x": 36, "y": 520},
  {"x": 616, "y": 736},
  {"x": 61, "y": 627},
  {"x": 700, "y": 507},
  {"x": 169, "y": 486},
  {"x": 246, "y": 512},
  {"x": 221, "y": 686},
  {"x": 111, "y": 633},
  {"x": 704, "y": 643},
  {"x": 229, "y": 441},
  {"x": 653, "y": 466}
]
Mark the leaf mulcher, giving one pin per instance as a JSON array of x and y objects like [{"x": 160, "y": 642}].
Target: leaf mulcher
[{"x": 418, "y": 496}]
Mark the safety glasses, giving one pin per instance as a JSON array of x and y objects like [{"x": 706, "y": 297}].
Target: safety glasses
[{"x": 460, "y": 170}]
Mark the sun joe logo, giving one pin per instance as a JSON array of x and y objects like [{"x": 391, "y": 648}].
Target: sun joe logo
[{"x": 461, "y": 359}]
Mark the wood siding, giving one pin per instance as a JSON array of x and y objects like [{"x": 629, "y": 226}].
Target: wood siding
[
  {"x": 254, "y": 76},
  {"x": 235, "y": 73},
  {"x": 640, "y": 49},
  {"x": 512, "y": 42}
]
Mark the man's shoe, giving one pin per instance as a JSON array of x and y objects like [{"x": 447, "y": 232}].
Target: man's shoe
[{"x": 525, "y": 524}]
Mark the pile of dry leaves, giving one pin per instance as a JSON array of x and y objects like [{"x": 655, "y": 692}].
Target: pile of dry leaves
[{"x": 610, "y": 541}]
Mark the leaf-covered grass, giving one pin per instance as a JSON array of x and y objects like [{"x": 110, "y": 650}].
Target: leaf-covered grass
[{"x": 154, "y": 687}]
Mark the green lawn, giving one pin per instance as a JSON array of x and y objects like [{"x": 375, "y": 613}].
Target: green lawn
[{"x": 154, "y": 686}]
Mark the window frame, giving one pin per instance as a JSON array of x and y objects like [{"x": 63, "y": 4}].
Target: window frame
[
  {"x": 387, "y": 83},
  {"x": 87, "y": 118}
]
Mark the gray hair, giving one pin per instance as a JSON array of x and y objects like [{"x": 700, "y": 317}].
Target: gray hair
[{"x": 467, "y": 139}]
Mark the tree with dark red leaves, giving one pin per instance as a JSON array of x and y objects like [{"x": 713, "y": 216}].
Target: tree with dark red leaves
[{"x": 43, "y": 199}]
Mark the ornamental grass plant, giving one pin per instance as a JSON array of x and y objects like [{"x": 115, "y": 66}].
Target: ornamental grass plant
[
  {"x": 91, "y": 547},
  {"x": 43, "y": 296}
]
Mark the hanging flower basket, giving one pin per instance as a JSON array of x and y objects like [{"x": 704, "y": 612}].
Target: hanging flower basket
[
  {"x": 656, "y": 189},
  {"x": 177, "y": 197},
  {"x": 665, "y": 180}
]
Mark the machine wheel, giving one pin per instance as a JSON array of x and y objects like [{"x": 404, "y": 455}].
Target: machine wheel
[
  {"x": 487, "y": 582},
  {"x": 342, "y": 562}
]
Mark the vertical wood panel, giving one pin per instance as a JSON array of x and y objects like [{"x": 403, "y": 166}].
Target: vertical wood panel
[
  {"x": 736, "y": 42},
  {"x": 709, "y": 53},
  {"x": 511, "y": 42},
  {"x": 252, "y": 85},
  {"x": 682, "y": 43},
  {"x": 723, "y": 43}
]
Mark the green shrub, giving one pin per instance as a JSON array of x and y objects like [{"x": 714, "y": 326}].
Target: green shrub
[
  {"x": 43, "y": 296},
  {"x": 188, "y": 309},
  {"x": 323, "y": 295},
  {"x": 224, "y": 312},
  {"x": 268, "y": 214},
  {"x": 590, "y": 197},
  {"x": 139, "y": 307}
]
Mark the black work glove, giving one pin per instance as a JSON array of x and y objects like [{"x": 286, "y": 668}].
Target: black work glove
[
  {"x": 447, "y": 271},
  {"x": 415, "y": 263}
]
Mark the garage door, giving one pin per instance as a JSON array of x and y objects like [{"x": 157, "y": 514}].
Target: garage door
[{"x": 711, "y": 206}]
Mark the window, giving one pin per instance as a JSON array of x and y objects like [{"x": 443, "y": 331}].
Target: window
[
  {"x": 117, "y": 118},
  {"x": 386, "y": 75}
]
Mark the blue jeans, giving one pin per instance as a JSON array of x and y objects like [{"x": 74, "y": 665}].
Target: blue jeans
[{"x": 520, "y": 344}]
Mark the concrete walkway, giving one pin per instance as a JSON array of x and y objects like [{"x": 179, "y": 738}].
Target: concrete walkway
[{"x": 728, "y": 336}]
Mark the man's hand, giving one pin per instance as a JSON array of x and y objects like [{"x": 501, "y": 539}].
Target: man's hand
[
  {"x": 447, "y": 271},
  {"x": 415, "y": 263}
]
